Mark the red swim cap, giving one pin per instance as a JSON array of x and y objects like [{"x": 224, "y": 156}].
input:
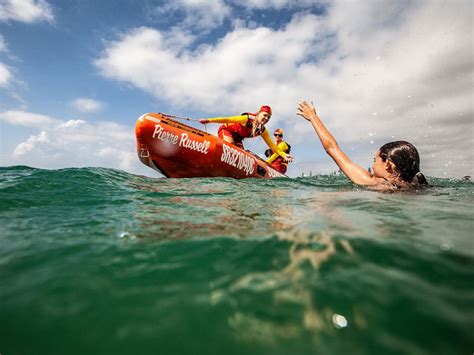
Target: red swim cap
[
  {"x": 267, "y": 109},
  {"x": 279, "y": 131}
]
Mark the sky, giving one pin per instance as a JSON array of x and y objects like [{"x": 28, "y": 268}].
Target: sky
[{"x": 76, "y": 74}]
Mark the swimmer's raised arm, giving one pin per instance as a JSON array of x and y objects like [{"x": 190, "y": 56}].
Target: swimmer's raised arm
[{"x": 353, "y": 171}]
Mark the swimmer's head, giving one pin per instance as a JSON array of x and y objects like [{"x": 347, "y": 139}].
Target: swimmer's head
[{"x": 398, "y": 159}]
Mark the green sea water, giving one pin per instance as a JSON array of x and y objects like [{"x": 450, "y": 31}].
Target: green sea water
[{"x": 98, "y": 261}]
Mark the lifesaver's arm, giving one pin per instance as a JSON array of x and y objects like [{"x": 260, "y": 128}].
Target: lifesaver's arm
[
  {"x": 266, "y": 137},
  {"x": 232, "y": 119},
  {"x": 283, "y": 147}
]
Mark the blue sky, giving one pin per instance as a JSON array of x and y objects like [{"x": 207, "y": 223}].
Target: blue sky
[{"x": 75, "y": 75}]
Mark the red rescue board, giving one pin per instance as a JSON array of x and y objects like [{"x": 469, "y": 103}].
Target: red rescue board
[{"x": 177, "y": 150}]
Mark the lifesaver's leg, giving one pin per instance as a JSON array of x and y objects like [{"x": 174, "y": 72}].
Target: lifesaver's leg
[
  {"x": 228, "y": 137},
  {"x": 225, "y": 135},
  {"x": 278, "y": 165}
]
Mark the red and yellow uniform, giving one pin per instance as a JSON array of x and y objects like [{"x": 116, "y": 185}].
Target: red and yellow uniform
[
  {"x": 276, "y": 162},
  {"x": 240, "y": 127}
]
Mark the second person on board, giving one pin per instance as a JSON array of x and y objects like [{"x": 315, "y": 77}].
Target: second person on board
[{"x": 275, "y": 161}]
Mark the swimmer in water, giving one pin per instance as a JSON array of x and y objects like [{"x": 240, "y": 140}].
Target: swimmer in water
[{"x": 396, "y": 164}]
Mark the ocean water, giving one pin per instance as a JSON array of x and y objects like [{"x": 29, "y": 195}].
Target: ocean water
[{"x": 98, "y": 261}]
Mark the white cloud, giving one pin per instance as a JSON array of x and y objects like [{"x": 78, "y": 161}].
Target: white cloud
[
  {"x": 240, "y": 64},
  {"x": 87, "y": 105},
  {"x": 263, "y": 4},
  {"x": 5, "y": 75},
  {"x": 30, "y": 144},
  {"x": 27, "y": 119},
  {"x": 27, "y": 11},
  {"x": 74, "y": 143},
  {"x": 72, "y": 124},
  {"x": 275, "y": 4},
  {"x": 403, "y": 74},
  {"x": 201, "y": 15}
]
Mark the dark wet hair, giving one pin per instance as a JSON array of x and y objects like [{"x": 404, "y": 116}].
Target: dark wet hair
[{"x": 406, "y": 159}]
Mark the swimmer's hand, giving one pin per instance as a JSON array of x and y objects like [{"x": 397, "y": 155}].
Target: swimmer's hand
[
  {"x": 289, "y": 158},
  {"x": 306, "y": 110},
  {"x": 204, "y": 120}
]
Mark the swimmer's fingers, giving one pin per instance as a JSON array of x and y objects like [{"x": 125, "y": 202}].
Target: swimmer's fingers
[
  {"x": 305, "y": 110},
  {"x": 309, "y": 106}
]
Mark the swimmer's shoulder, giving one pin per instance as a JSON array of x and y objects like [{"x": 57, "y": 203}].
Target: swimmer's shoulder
[{"x": 388, "y": 186}]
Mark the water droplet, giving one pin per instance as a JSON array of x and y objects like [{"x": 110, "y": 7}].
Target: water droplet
[
  {"x": 371, "y": 141},
  {"x": 445, "y": 247},
  {"x": 128, "y": 235},
  {"x": 339, "y": 321}
]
